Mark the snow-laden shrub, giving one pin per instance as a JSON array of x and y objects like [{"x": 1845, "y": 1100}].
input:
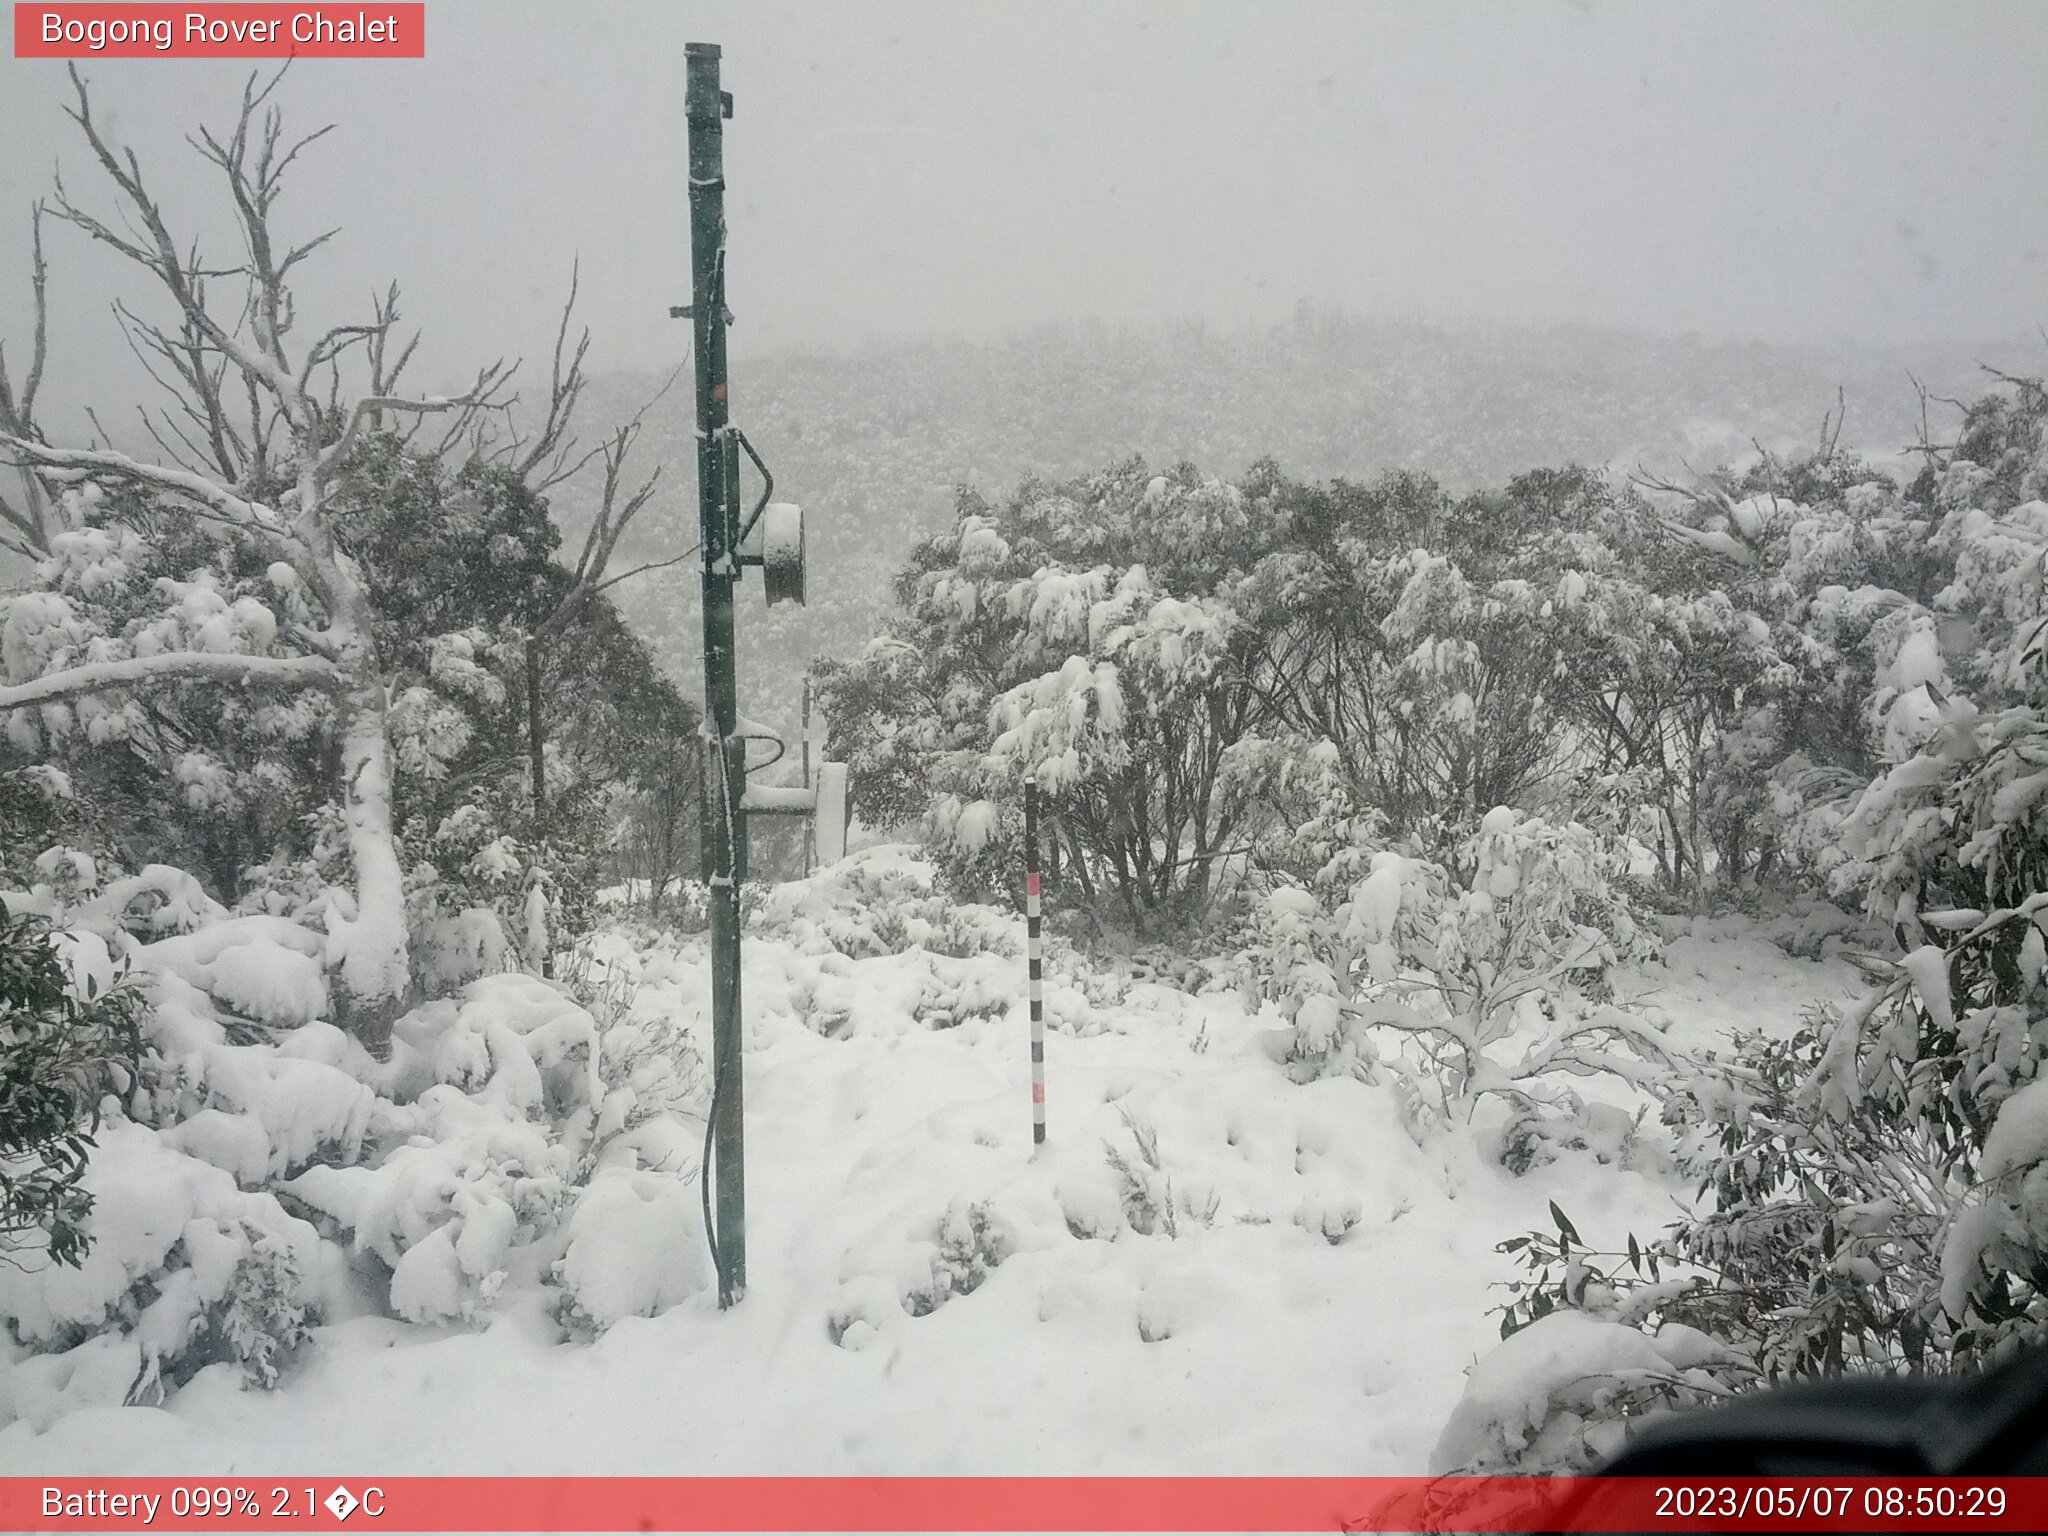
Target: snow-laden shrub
[
  {"x": 892, "y": 946},
  {"x": 1942, "y": 1068},
  {"x": 267, "y": 970},
  {"x": 1872, "y": 1206},
  {"x": 40, "y": 809},
  {"x": 165, "y": 1253},
  {"x": 934, "y": 991},
  {"x": 261, "y": 1149},
  {"x": 1869, "y": 1176},
  {"x": 481, "y": 900},
  {"x": 1877, "y": 1184},
  {"x": 1074, "y": 633},
  {"x": 493, "y": 1092},
  {"x": 1606, "y": 1132},
  {"x": 635, "y": 1247},
  {"x": 1819, "y": 1247},
  {"x": 955, "y": 991},
  {"x": 879, "y": 901},
  {"x": 1481, "y": 978},
  {"x": 183, "y": 1270},
  {"x": 971, "y": 1243},
  {"x": 1557, "y": 1395},
  {"x": 264, "y": 1100},
  {"x": 655, "y": 1086},
  {"x": 505, "y": 1108},
  {"x": 1143, "y": 1185}
]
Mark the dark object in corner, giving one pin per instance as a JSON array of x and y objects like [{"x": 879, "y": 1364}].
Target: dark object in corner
[{"x": 1991, "y": 1423}]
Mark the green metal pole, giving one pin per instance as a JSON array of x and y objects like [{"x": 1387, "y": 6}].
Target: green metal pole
[
  {"x": 810, "y": 823},
  {"x": 724, "y": 824}
]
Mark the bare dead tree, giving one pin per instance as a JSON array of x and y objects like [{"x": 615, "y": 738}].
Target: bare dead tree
[
  {"x": 1831, "y": 424},
  {"x": 617, "y": 507},
  {"x": 544, "y": 460},
  {"x": 1935, "y": 454},
  {"x": 207, "y": 356},
  {"x": 547, "y": 458},
  {"x": 25, "y": 516}
]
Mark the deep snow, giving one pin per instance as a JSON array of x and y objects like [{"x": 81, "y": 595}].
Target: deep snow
[{"x": 1323, "y": 1290}]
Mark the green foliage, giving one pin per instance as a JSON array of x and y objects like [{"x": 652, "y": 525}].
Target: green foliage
[{"x": 60, "y": 1052}]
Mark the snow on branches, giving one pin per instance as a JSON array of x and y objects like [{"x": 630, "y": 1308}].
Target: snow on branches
[{"x": 1466, "y": 979}]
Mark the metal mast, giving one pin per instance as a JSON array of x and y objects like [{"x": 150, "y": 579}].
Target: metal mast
[{"x": 724, "y": 824}]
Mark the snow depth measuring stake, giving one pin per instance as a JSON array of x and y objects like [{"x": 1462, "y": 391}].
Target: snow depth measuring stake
[
  {"x": 771, "y": 537},
  {"x": 1034, "y": 962}
]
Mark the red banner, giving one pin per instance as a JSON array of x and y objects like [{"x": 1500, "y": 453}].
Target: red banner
[
  {"x": 113, "y": 31},
  {"x": 1010, "y": 1504}
]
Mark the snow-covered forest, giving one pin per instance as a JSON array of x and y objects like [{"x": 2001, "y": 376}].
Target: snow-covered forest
[
  {"x": 880, "y": 436},
  {"x": 1545, "y": 859}
]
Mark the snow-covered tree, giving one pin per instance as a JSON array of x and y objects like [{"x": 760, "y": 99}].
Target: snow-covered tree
[
  {"x": 268, "y": 476},
  {"x": 1079, "y": 634},
  {"x": 1875, "y": 1181}
]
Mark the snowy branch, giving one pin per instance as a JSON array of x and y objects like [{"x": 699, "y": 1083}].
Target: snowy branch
[
  {"x": 173, "y": 666},
  {"x": 93, "y": 462},
  {"x": 480, "y": 395}
]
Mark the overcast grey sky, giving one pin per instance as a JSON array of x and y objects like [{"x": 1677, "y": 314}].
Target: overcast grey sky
[{"x": 1800, "y": 171}]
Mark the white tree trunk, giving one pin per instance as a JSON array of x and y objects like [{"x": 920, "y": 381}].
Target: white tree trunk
[{"x": 370, "y": 951}]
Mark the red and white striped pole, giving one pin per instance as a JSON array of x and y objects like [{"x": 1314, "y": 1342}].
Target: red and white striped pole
[{"x": 1033, "y": 959}]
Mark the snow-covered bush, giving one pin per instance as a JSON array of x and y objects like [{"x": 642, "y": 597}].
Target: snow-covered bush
[
  {"x": 1478, "y": 979},
  {"x": 1165, "y": 653},
  {"x": 656, "y": 1088},
  {"x": 1938, "y": 1071},
  {"x": 1876, "y": 1187},
  {"x": 1871, "y": 1201},
  {"x": 239, "y": 786},
  {"x": 259, "y": 1166},
  {"x": 500, "y": 1120},
  {"x": 487, "y": 1094},
  {"x": 1143, "y": 1184},
  {"x": 40, "y": 810},
  {"x": 183, "y": 1270},
  {"x": 1558, "y": 1394},
  {"x": 1874, "y": 1184},
  {"x": 1079, "y": 634},
  {"x": 480, "y": 901},
  {"x": 635, "y": 1247},
  {"x": 879, "y": 901},
  {"x": 971, "y": 1243}
]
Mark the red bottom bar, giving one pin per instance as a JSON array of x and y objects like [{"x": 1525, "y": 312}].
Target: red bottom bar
[{"x": 1006, "y": 1504}]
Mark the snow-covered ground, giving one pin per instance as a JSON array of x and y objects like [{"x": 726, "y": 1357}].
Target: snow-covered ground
[
  {"x": 1310, "y": 1306},
  {"x": 1721, "y": 976}
]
